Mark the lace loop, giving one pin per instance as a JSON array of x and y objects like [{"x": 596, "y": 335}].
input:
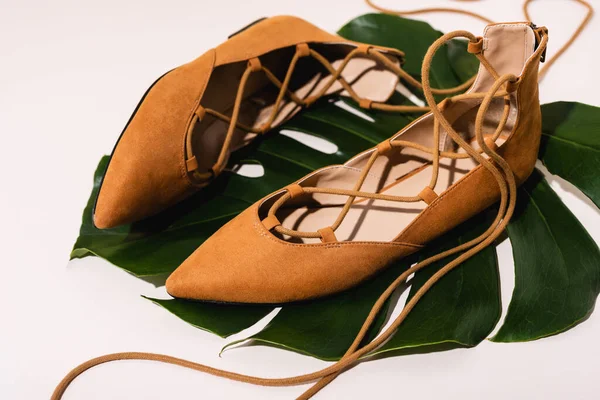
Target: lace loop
[
  {"x": 428, "y": 195},
  {"x": 302, "y": 50},
  {"x": 512, "y": 85},
  {"x": 294, "y": 190},
  {"x": 364, "y": 49},
  {"x": 365, "y": 103},
  {"x": 327, "y": 235},
  {"x": 254, "y": 64},
  {"x": 384, "y": 147},
  {"x": 475, "y": 47},
  {"x": 200, "y": 112},
  {"x": 270, "y": 222}
]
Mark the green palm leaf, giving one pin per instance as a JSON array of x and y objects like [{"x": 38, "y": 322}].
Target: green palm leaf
[
  {"x": 557, "y": 279},
  {"x": 570, "y": 145},
  {"x": 557, "y": 267}
]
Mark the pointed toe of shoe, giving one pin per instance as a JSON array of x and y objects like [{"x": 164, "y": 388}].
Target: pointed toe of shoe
[
  {"x": 108, "y": 213},
  {"x": 147, "y": 170},
  {"x": 245, "y": 263},
  {"x": 187, "y": 282},
  {"x": 129, "y": 193},
  {"x": 209, "y": 274},
  {"x": 136, "y": 186}
]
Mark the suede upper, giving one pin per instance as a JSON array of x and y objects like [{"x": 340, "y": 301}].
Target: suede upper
[{"x": 147, "y": 171}]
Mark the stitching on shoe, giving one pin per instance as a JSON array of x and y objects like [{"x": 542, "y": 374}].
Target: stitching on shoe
[{"x": 263, "y": 232}]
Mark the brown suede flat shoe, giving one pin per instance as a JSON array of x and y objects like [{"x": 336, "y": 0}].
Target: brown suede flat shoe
[
  {"x": 470, "y": 151},
  {"x": 182, "y": 132}
]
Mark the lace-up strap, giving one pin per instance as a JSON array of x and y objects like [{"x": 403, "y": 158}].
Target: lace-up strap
[
  {"x": 428, "y": 194},
  {"x": 303, "y": 50},
  {"x": 255, "y": 66}
]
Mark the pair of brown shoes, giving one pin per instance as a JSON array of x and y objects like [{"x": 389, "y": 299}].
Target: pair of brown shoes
[{"x": 341, "y": 224}]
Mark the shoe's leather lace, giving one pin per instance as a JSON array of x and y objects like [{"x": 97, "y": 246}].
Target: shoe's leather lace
[
  {"x": 327, "y": 234},
  {"x": 302, "y": 50},
  {"x": 495, "y": 164}
]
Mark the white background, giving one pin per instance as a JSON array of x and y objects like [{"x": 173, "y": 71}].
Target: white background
[{"x": 71, "y": 72}]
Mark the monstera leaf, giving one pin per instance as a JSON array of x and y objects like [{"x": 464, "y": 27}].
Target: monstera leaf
[
  {"x": 570, "y": 145},
  {"x": 557, "y": 264}
]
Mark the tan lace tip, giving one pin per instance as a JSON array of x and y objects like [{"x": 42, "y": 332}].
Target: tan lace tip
[
  {"x": 365, "y": 103},
  {"x": 270, "y": 222},
  {"x": 475, "y": 47},
  {"x": 327, "y": 235},
  {"x": 254, "y": 64},
  {"x": 428, "y": 195},
  {"x": 384, "y": 147},
  {"x": 191, "y": 164},
  {"x": 294, "y": 190},
  {"x": 302, "y": 50}
]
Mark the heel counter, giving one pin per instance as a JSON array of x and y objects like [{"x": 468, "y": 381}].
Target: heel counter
[
  {"x": 507, "y": 47},
  {"x": 523, "y": 145}
]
